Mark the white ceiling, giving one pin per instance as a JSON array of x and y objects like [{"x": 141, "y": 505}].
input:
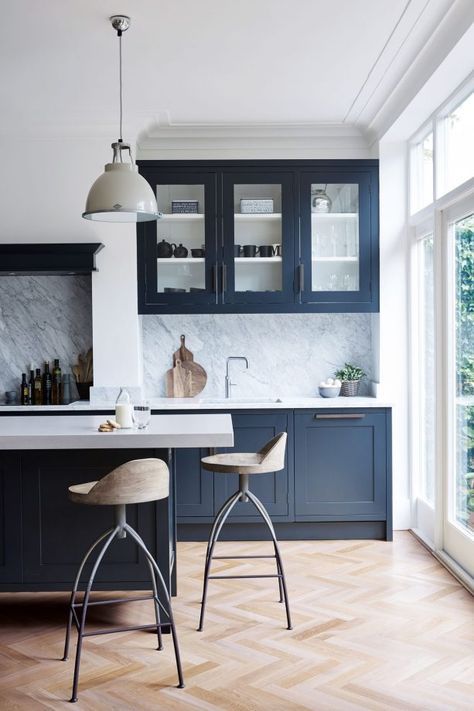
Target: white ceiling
[{"x": 208, "y": 61}]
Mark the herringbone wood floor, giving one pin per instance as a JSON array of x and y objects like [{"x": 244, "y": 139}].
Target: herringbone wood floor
[{"x": 376, "y": 626}]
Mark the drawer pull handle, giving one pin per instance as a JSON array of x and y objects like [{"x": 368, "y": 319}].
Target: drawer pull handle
[{"x": 345, "y": 416}]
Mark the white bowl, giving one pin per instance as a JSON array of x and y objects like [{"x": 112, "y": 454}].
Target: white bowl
[{"x": 329, "y": 390}]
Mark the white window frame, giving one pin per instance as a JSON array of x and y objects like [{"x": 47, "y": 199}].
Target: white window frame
[{"x": 429, "y": 521}]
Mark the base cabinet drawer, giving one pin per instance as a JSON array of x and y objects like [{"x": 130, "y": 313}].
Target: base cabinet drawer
[{"x": 341, "y": 466}]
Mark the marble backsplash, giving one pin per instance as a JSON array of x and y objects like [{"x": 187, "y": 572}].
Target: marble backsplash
[
  {"x": 288, "y": 353},
  {"x": 42, "y": 318}
]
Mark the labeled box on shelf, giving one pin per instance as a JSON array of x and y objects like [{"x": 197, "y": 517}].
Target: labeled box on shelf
[
  {"x": 250, "y": 206},
  {"x": 184, "y": 207}
]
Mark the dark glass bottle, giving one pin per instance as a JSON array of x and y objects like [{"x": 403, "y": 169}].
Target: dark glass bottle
[
  {"x": 31, "y": 387},
  {"x": 38, "y": 389},
  {"x": 47, "y": 383},
  {"x": 24, "y": 399},
  {"x": 56, "y": 384}
]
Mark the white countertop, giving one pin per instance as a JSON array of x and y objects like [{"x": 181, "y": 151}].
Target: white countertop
[
  {"x": 80, "y": 432},
  {"x": 204, "y": 403}
]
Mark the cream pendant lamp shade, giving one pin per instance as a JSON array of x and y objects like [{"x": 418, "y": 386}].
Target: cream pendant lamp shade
[{"x": 120, "y": 194}]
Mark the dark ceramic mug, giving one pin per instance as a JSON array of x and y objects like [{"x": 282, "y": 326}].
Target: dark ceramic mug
[
  {"x": 237, "y": 250},
  {"x": 266, "y": 250},
  {"x": 250, "y": 250},
  {"x": 197, "y": 253}
]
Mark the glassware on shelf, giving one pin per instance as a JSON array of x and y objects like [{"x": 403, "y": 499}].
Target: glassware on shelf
[{"x": 320, "y": 200}]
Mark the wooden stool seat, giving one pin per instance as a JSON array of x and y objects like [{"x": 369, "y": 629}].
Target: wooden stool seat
[
  {"x": 132, "y": 483},
  {"x": 271, "y": 458}
]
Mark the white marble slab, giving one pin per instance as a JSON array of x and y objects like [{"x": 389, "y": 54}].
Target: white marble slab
[
  {"x": 289, "y": 354},
  {"x": 80, "y": 432},
  {"x": 285, "y": 403}
]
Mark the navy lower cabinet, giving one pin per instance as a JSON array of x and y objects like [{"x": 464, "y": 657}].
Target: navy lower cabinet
[
  {"x": 342, "y": 466},
  {"x": 44, "y": 536},
  {"x": 10, "y": 519},
  {"x": 194, "y": 485},
  {"x": 251, "y": 432}
]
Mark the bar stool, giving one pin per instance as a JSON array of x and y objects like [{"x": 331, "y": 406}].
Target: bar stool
[
  {"x": 271, "y": 458},
  {"x": 134, "y": 482}
]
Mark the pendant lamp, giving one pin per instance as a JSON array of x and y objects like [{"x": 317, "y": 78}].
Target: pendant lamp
[{"x": 120, "y": 194}]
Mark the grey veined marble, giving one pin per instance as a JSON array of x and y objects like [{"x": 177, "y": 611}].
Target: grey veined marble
[
  {"x": 42, "y": 318},
  {"x": 288, "y": 353}
]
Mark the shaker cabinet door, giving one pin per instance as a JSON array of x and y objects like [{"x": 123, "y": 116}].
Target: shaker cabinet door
[
  {"x": 341, "y": 465},
  {"x": 10, "y": 519}
]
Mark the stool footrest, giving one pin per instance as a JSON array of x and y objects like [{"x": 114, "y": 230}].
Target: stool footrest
[
  {"x": 229, "y": 557},
  {"x": 221, "y": 577},
  {"x": 116, "y": 601},
  {"x": 127, "y": 629}
]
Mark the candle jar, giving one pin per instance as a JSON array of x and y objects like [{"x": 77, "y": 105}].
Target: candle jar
[{"x": 320, "y": 202}]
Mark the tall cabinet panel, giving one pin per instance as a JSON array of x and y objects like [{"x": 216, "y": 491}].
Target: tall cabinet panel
[
  {"x": 258, "y": 238},
  {"x": 338, "y": 240},
  {"x": 177, "y": 254}
]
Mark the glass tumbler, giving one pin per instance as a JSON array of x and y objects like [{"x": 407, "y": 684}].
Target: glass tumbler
[{"x": 142, "y": 414}]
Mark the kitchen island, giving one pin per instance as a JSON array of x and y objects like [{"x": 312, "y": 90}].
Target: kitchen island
[{"x": 43, "y": 535}]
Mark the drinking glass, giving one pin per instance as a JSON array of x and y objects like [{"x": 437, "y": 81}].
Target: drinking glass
[{"x": 142, "y": 414}]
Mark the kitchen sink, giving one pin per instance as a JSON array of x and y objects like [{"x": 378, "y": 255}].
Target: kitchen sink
[{"x": 239, "y": 400}]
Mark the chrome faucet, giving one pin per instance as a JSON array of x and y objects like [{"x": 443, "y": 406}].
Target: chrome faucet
[{"x": 228, "y": 382}]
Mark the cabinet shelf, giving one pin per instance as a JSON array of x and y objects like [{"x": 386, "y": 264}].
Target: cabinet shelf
[
  {"x": 181, "y": 217},
  {"x": 255, "y": 260},
  {"x": 335, "y": 259},
  {"x": 331, "y": 216},
  {"x": 257, "y": 216},
  {"x": 177, "y": 260}
]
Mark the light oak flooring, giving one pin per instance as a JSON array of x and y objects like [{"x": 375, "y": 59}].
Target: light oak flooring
[{"x": 376, "y": 626}]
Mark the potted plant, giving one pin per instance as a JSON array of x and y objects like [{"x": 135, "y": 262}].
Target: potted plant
[{"x": 350, "y": 377}]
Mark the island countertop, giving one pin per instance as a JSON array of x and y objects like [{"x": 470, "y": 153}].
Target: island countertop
[{"x": 81, "y": 432}]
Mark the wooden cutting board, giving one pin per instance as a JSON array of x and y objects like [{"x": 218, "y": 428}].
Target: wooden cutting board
[
  {"x": 185, "y": 379},
  {"x": 182, "y": 354}
]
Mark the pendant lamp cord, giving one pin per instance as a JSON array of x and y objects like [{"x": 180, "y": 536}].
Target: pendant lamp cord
[{"x": 119, "y": 34}]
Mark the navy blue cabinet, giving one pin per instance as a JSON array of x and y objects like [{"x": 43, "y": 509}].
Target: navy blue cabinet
[
  {"x": 251, "y": 432},
  {"x": 342, "y": 465},
  {"x": 10, "y": 519},
  {"x": 194, "y": 485},
  {"x": 260, "y": 236}
]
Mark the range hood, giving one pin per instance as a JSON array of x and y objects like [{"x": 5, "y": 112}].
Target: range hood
[{"x": 51, "y": 258}]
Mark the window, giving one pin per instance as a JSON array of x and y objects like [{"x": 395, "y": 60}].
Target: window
[
  {"x": 421, "y": 168},
  {"x": 456, "y": 145}
]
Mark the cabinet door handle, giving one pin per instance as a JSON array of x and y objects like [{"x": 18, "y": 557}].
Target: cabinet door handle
[
  {"x": 214, "y": 278},
  {"x": 300, "y": 278},
  {"x": 224, "y": 277},
  {"x": 340, "y": 416}
]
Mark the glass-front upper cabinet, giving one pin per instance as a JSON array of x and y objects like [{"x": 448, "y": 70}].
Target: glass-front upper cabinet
[
  {"x": 180, "y": 247},
  {"x": 338, "y": 244},
  {"x": 258, "y": 228}
]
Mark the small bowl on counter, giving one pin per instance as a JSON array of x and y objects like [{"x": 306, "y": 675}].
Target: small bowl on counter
[{"x": 329, "y": 390}]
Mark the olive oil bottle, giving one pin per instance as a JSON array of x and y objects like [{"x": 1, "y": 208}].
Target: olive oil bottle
[
  {"x": 47, "y": 384},
  {"x": 56, "y": 398},
  {"x": 38, "y": 389}
]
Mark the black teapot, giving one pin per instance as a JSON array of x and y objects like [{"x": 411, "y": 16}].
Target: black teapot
[
  {"x": 180, "y": 252},
  {"x": 165, "y": 249}
]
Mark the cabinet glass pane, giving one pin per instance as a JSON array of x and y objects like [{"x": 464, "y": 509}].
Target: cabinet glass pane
[
  {"x": 181, "y": 239},
  {"x": 257, "y": 238},
  {"x": 335, "y": 237}
]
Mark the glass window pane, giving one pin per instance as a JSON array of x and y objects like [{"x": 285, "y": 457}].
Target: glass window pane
[
  {"x": 257, "y": 238},
  {"x": 335, "y": 237},
  {"x": 457, "y": 159},
  {"x": 421, "y": 174},
  {"x": 464, "y": 304},
  {"x": 426, "y": 375},
  {"x": 181, "y": 239}
]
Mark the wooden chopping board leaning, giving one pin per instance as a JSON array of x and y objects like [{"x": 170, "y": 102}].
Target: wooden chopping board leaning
[{"x": 186, "y": 378}]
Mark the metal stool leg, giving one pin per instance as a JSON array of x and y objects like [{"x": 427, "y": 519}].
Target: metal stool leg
[
  {"x": 215, "y": 532},
  {"x": 74, "y": 591},
  {"x": 77, "y": 663},
  {"x": 169, "y": 612},
  {"x": 216, "y": 521},
  {"x": 264, "y": 513}
]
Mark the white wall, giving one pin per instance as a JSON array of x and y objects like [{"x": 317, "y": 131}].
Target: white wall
[{"x": 44, "y": 187}]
